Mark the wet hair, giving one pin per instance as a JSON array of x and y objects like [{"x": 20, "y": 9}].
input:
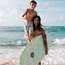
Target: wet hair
[
  {"x": 38, "y": 24},
  {"x": 33, "y": 2}
]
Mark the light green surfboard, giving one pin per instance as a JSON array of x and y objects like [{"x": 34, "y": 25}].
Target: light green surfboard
[{"x": 33, "y": 53}]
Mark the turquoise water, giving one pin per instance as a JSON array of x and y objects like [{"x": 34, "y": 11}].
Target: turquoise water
[{"x": 15, "y": 35}]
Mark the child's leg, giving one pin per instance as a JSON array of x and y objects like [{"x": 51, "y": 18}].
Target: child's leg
[
  {"x": 30, "y": 27},
  {"x": 25, "y": 30}
]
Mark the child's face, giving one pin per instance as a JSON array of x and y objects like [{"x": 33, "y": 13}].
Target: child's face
[{"x": 33, "y": 5}]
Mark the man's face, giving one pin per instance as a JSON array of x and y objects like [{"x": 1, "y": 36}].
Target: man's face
[
  {"x": 36, "y": 21},
  {"x": 33, "y": 5}
]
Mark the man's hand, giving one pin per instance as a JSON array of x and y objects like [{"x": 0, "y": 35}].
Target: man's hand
[{"x": 46, "y": 51}]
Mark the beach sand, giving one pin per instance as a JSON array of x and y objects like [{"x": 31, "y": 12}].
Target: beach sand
[{"x": 11, "y": 56}]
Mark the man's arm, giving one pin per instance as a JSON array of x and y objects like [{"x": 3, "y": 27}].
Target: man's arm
[{"x": 45, "y": 42}]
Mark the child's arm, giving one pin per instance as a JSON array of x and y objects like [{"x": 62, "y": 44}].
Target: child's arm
[
  {"x": 31, "y": 36},
  {"x": 25, "y": 13}
]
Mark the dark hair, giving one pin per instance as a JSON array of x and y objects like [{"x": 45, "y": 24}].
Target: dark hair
[
  {"x": 33, "y": 2},
  {"x": 38, "y": 24}
]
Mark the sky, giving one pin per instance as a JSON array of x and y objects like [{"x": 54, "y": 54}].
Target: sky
[{"x": 52, "y": 12}]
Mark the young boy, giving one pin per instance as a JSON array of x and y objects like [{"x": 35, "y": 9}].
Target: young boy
[{"x": 28, "y": 15}]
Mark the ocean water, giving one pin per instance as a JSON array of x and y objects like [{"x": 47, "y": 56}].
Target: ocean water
[{"x": 12, "y": 36}]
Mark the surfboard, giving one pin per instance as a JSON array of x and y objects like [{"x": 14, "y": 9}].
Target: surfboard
[{"x": 33, "y": 53}]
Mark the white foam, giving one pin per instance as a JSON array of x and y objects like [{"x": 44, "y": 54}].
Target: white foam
[
  {"x": 10, "y": 55},
  {"x": 59, "y": 41},
  {"x": 19, "y": 42},
  {"x": 56, "y": 55}
]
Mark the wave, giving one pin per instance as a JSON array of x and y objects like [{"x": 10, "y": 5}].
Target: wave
[
  {"x": 14, "y": 35},
  {"x": 55, "y": 28},
  {"x": 11, "y": 29},
  {"x": 59, "y": 41},
  {"x": 13, "y": 42},
  {"x": 21, "y": 28}
]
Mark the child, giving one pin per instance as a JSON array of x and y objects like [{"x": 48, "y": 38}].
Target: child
[
  {"x": 38, "y": 30},
  {"x": 28, "y": 15}
]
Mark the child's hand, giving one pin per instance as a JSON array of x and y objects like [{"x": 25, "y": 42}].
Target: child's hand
[
  {"x": 29, "y": 38},
  {"x": 46, "y": 51}
]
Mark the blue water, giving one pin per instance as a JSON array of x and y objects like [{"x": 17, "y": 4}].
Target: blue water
[{"x": 15, "y": 35}]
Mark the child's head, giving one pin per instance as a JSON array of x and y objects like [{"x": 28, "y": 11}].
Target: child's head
[{"x": 33, "y": 4}]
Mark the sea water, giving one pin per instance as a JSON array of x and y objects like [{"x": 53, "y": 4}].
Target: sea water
[
  {"x": 11, "y": 37},
  {"x": 15, "y": 35}
]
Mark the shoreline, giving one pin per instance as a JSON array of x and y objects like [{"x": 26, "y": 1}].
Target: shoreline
[{"x": 11, "y": 55}]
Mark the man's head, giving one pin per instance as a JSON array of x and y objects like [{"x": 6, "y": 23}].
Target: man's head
[{"x": 33, "y": 4}]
